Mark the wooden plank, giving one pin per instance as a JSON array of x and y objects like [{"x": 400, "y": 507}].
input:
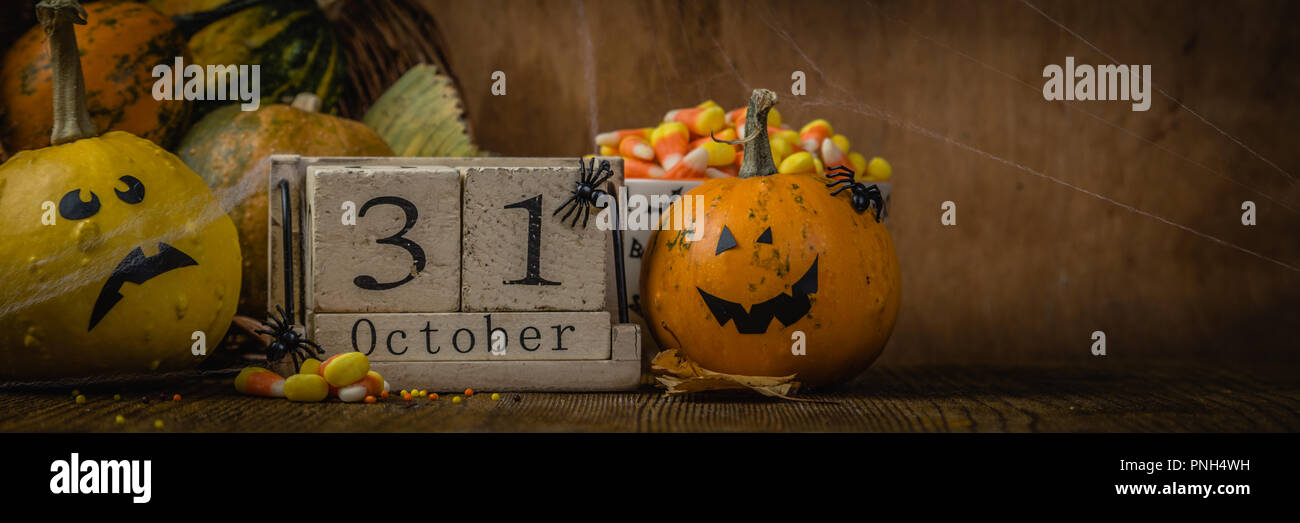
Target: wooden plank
[
  {"x": 1134, "y": 397},
  {"x": 474, "y": 336},
  {"x": 383, "y": 239}
]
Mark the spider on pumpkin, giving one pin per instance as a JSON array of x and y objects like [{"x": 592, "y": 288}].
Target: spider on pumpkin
[
  {"x": 587, "y": 192},
  {"x": 863, "y": 196}
]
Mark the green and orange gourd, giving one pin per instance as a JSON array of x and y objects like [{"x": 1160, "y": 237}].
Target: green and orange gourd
[{"x": 120, "y": 44}]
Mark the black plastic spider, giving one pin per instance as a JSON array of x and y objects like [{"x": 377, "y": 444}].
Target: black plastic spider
[
  {"x": 286, "y": 341},
  {"x": 864, "y": 196},
  {"x": 587, "y": 192}
]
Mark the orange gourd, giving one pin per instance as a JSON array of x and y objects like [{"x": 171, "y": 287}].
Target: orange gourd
[{"x": 778, "y": 255}]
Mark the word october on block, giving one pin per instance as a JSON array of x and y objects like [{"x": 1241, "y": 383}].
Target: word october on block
[
  {"x": 516, "y": 256},
  {"x": 383, "y": 239},
  {"x": 466, "y": 336}
]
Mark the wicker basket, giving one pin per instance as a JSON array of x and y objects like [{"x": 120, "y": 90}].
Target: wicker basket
[{"x": 383, "y": 39}]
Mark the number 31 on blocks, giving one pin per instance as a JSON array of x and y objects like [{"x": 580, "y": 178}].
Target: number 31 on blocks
[{"x": 450, "y": 272}]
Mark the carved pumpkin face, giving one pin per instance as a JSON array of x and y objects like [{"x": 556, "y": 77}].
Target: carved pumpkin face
[{"x": 778, "y": 255}]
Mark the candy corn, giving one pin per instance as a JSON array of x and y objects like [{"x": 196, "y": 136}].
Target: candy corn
[
  {"x": 669, "y": 141},
  {"x": 721, "y": 172},
  {"x": 700, "y": 120},
  {"x": 800, "y": 162},
  {"x": 719, "y": 153},
  {"x": 257, "y": 381},
  {"x": 636, "y": 147},
  {"x": 344, "y": 369},
  {"x": 305, "y": 387},
  {"x": 634, "y": 168},
  {"x": 878, "y": 170},
  {"x": 693, "y": 165},
  {"x": 670, "y": 149},
  {"x": 859, "y": 164},
  {"x": 811, "y": 136},
  {"x": 833, "y": 155},
  {"x": 612, "y": 138},
  {"x": 370, "y": 385}
]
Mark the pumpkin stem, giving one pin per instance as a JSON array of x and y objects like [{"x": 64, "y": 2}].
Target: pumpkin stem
[
  {"x": 307, "y": 102},
  {"x": 71, "y": 118},
  {"x": 758, "y": 151}
]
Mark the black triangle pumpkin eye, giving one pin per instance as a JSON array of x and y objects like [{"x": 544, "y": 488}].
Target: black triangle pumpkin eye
[
  {"x": 725, "y": 240},
  {"x": 72, "y": 208},
  {"x": 766, "y": 237},
  {"x": 134, "y": 192}
]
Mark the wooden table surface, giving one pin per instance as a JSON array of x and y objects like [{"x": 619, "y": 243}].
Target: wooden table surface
[{"x": 1102, "y": 398}]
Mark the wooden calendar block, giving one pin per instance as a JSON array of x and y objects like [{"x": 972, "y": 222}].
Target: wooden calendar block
[
  {"x": 383, "y": 239},
  {"x": 477, "y": 336},
  {"x": 517, "y": 256},
  {"x": 548, "y": 337}
]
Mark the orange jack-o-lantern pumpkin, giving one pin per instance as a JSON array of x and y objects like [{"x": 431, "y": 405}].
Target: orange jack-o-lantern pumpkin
[{"x": 783, "y": 276}]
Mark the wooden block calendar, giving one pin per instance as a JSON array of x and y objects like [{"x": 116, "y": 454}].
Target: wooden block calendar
[{"x": 450, "y": 272}]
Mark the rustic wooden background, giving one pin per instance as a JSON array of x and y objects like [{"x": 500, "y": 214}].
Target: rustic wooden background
[{"x": 950, "y": 93}]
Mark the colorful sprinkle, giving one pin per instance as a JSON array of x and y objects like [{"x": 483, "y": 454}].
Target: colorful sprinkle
[{"x": 495, "y": 396}]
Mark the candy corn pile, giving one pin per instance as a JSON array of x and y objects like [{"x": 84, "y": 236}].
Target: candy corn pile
[
  {"x": 345, "y": 376},
  {"x": 681, "y": 147}
]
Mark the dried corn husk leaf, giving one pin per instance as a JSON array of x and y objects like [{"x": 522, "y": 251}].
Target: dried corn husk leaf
[
  {"x": 680, "y": 375},
  {"x": 249, "y": 326},
  {"x": 422, "y": 115}
]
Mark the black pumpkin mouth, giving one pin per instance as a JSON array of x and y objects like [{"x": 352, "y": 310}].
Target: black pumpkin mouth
[
  {"x": 136, "y": 268},
  {"x": 787, "y": 308}
]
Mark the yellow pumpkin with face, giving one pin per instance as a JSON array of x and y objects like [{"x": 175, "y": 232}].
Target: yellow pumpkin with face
[
  {"x": 782, "y": 278},
  {"x": 116, "y": 255}
]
